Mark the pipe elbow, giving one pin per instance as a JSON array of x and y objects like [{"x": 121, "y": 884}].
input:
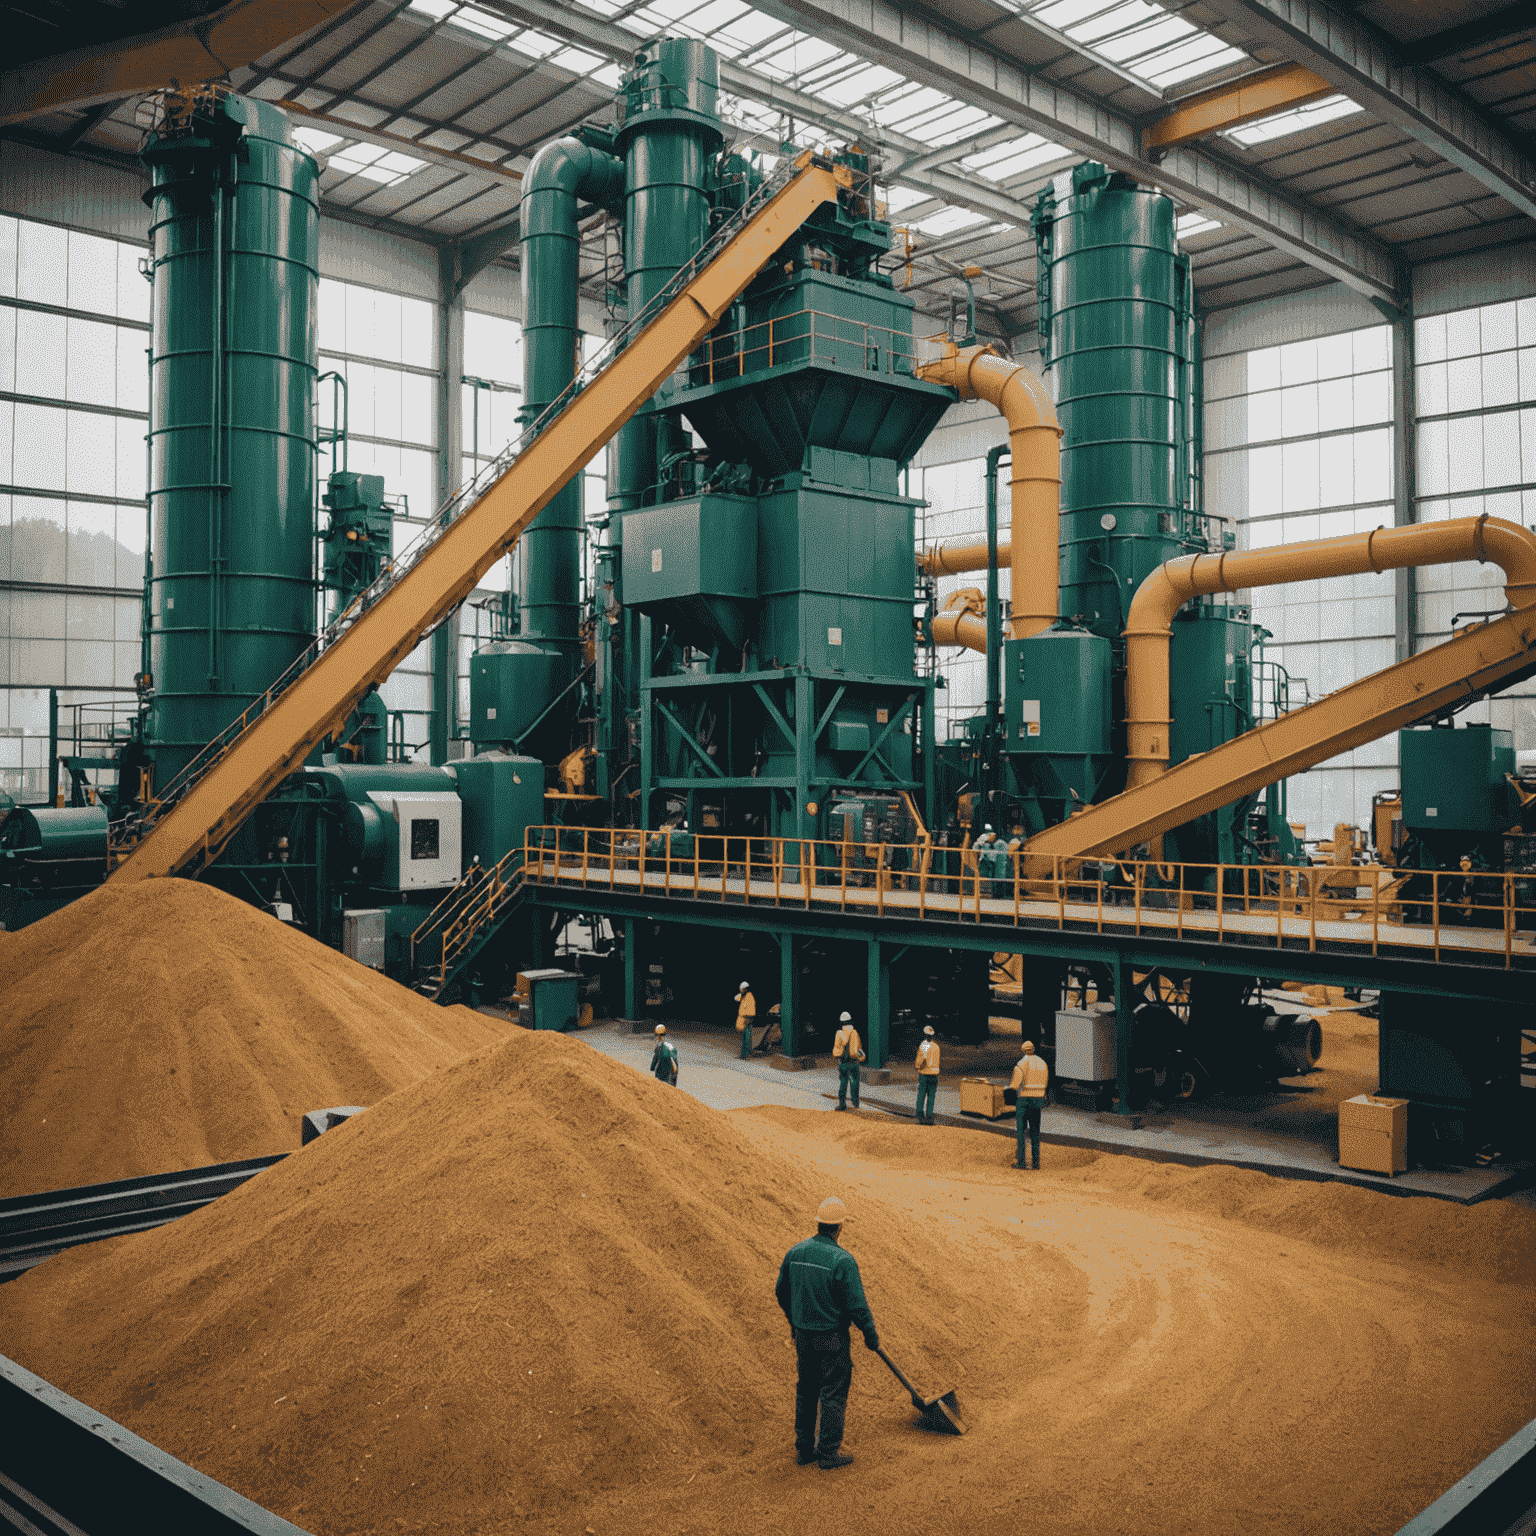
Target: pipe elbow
[
  {"x": 1509, "y": 545},
  {"x": 575, "y": 169},
  {"x": 1159, "y": 597}
]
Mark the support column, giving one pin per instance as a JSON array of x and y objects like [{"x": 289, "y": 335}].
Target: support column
[
  {"x": 789, "y": 995},
  {"x": 1405, "y": 455},
  {"x": 1125, "y": 1003},
  {"x": 450, "y": 457},
  {"x": 634, "y": 976},
  {"x": 805, "y": 753},
  {"x": 877, "y": 1017}
]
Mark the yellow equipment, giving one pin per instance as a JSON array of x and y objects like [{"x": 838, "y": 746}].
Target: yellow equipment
[{"x": 183, "y": 835}]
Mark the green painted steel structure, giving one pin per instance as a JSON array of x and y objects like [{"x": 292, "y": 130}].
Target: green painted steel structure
[{"x": 235, "y": 262}]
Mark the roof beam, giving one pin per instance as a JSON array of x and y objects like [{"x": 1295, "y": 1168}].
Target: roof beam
[
  {"x": 926, "y": 51},
  {"x": 1239, "y": 101},
  {"x": 204, "y": 48},
  {"x": 575, "y": 24},
  {"x": 1369, "y": 69},
  {"x": 1512, "y": 21}
]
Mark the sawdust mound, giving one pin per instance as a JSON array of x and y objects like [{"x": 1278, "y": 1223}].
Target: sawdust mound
[
  {"x": 534, "y": 1278},
  {"x": 165, "y": 1025}
]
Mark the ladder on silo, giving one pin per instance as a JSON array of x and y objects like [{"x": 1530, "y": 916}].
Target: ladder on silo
[{"x": 184, "y": 828}]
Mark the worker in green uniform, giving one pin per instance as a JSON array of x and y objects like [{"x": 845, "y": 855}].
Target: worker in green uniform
[
  {"x": 847, "y": 1052},
  {"x": 821, "y": 1293},
  {"x": 664, "y": 1058},
  {"x": 927, "y": 1064},
  {"x": 1029, "y": 1080}
]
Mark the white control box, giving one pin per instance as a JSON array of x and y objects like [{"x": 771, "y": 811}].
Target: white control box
[
  {"x": 429, "y": 826},
  {"x": 1085, "y": 1043}
]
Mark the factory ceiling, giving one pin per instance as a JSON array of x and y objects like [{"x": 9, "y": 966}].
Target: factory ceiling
[{"x": 1302, "y": 144}]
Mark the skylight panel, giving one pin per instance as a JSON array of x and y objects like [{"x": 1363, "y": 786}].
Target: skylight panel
[
  {"x": 1141, "y": 38},
  {"x": 909, "y": 108},
  {"x": 610, "y": 75},
  {"x": 718, "y": 13},
  {"x": 385, "y": 166},
  {"x": 1294, "y": 121},
  {"x": 577, "y": 60},
  {"x": 948, "y": 221},
  {"x": 484, "y": 23},
  {"x": 1194, "y": 223},
  {"x": 436, "y": 9},
  {"x": 672, "y": 10},
  {"x": 536, "y": 44},
  {"x": 748, "y": 31},
  {"x": 898, "y": 198},
  {"x": 860, "y": 85},
  {"x": 1003, "y": 161},
  {"x": 964, "y": 124},
  {"x": 316, "y": 142}
]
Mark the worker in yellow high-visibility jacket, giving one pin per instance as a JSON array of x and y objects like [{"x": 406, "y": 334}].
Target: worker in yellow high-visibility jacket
[
  {"x": 927, "y": 1075},
  {"x": 746, "y": 1012},
  {"x": 1029, "y": 1081},
  {"x": 847, "y": 1052}
]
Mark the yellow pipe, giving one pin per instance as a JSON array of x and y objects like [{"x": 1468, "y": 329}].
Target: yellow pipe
[
  {"x": 953, "y": 559},
  {"x": 963, "y": 620},
  {"x": 1034, "y": 440},
  {"x": 1148, "y": 626}
]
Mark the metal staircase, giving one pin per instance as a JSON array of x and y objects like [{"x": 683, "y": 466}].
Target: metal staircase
[
  {"x": 463, "y": 922},
  {"x": 185, "y": 826}
]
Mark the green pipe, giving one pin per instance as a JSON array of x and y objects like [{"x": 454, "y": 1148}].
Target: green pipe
[{"x": 561, "y": 174}]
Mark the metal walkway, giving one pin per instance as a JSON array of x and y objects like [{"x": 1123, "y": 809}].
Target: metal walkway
[{"x": 1476, "y": 921}]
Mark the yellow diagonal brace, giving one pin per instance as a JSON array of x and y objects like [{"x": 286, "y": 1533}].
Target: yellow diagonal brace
[
  {"x": 1232, "y": 105},
  {"x": 279, "y": 740},
  {"x": 1365, "y": 711}
]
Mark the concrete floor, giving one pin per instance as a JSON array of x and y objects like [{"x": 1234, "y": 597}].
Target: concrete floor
[{"x": 1290, "y": 1133}]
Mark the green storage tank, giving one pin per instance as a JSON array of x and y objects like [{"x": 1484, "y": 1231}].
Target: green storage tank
[
  {"x": 1453, "y": 780},
  {"x": 1116, "y": 328},
  {"x": 234, "y": 243}
]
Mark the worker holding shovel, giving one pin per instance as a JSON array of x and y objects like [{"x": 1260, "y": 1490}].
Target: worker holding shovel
[{"x": 821, "y": 1293}]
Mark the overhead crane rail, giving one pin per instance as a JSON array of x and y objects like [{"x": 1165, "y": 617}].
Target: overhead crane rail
[{"x": 184, "y": 828}]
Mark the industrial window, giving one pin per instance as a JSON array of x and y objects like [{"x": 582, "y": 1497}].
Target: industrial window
[
  {"x": 1475, "y": 382},
  {"x": 1298, "y": 441},
  {"x": 424, "y": 838},
  {"x": 74, "y": 336}
]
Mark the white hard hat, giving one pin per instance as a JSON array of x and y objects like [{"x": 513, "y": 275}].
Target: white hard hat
[
  {"x": 745, "y": 985},
  {"x": 927, "y": 1029},
  {"x": 845, "y": 1018},
  {"x": 1028, "y": 1047},
  {"x": 661, "y": 1029},
  {"x": 831, "y": 1212}
]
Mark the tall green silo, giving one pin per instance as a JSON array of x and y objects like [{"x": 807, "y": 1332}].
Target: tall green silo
[
  {"x": 1116, "y": 329},
  {"x": 234, "y": 243}
]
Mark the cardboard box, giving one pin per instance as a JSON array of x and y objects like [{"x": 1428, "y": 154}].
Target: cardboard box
[
  {"x": 1373, "y": 1134},
  {"x": 982, "y": 1096}
]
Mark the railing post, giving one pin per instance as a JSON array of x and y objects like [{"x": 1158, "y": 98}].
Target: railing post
[{"x": 1434, "y": 896}]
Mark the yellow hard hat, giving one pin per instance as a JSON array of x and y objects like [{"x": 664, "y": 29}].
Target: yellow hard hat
[
  {"x": 831, "y": 1212},
  {"x": 661, "y": 1029},
  {"x": 1028, "y": 1047}
]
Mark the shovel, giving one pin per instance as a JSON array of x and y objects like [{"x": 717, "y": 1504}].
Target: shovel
[{"x": 941, "y": 1413}]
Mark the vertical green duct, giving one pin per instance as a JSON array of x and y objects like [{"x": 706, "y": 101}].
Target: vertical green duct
[
  {"x": 561, "y": 174},
  {"x": 234, "y": 243},
  {"x": 669, "y": 133},
  {"x": 1116, "y": 331}
]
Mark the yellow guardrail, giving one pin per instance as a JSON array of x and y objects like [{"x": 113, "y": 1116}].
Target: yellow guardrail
[{"x": 1478, "y": 916}]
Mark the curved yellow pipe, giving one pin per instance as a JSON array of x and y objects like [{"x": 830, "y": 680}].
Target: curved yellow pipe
[
  {"x": 1148, "y": 625},
  {"x": 1034, "y": 441},
  {"x": 962, "y": 620}
]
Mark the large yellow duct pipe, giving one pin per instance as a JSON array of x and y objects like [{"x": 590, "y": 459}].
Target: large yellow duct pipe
[
  {"x": 1148, "y": 626},
  {"x": 953, "y": 559},
  {"x": 963, "y": 620},
  {"x": 1034, "y": 441}
]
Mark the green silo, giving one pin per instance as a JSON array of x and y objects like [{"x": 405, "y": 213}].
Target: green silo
[
  {"x": 234, "y": 243},
  {"x": 1116, "y": 329}
]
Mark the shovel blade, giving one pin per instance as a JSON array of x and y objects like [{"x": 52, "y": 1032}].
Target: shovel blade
[{"x": 942, "y": 1414}]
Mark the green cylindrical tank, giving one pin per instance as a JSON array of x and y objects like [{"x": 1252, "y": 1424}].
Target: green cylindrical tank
[
  {"x": 561, "y": 174},
  {"x": 235, "y": 252},
  {"x": 668, "y": 136},
  {"x": 1116, "y": 330}
]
